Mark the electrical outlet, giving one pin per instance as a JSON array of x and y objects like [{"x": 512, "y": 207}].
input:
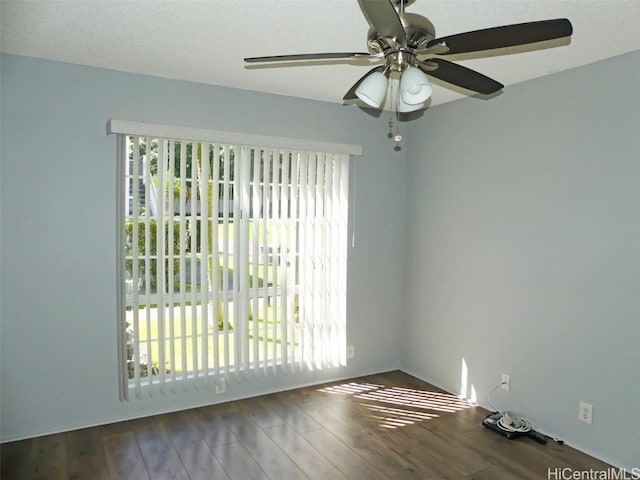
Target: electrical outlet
[
  {"x": 506, "y": 382},
  {"x": 221, "y": 387},
  {"x": 586, "y": 413},
  {"x": 350, "y": 351}
]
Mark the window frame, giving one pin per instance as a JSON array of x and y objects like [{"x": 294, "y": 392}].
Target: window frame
[{"x": 124, "y": 128}]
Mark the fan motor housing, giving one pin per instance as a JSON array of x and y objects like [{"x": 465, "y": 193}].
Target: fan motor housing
[{"x": 418, "y": 29}]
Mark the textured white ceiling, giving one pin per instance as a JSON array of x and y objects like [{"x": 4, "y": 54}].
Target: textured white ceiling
[{"x": 205, "y": 41}]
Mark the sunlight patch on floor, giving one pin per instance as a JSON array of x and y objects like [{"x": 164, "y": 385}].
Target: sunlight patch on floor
[
  {"x": 396, "y": 417},
  {"x": 441, "y": 402},
  {"x": 415, "y": 402},
  {"x": 351, "y": 388}
]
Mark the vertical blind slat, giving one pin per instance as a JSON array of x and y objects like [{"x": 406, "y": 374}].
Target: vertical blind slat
[
  {"x": 225, "y": 255},
  {"x": 276, "y": 249},
  {"x": 264, "y": 254},
  {"x": 147, "y": 258},
  {"x": 170, "y": 261},
  {"x": 160, "y": 258},
  {"x": 135, "y": 280},
  {"x": 297, "y": 201},
  {"x": 305, "y": 253},
  {"x": 273, "y": 247},
  {"x": 243, "y": 200},
  {"x": 203, "y": 183},
  {"x": 330, "y": 280},
  {"x": 193, "y": 266},
  {"x": 295, "y": 262},
  {"x": 237, "y": 315},
  {"x": 122, "y": 196},
  {"x": 255, "y": 252},
  {"x": 183, "y": 248},
  {"x": 215, "y": 280},
  {"x": 283, "y": 259}
]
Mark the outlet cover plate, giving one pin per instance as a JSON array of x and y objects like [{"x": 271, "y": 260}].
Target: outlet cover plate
[
  {"x": 221, "y": 387},
  {"x": 586, "y": 413}
]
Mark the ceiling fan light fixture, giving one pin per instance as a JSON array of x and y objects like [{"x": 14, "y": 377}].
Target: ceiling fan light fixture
[
  {"x": 373, "y": 89},
  {"x": 408, "y": 46},
  {"x": 403, "y": 107},
  {"x": 415, "y": 87}
]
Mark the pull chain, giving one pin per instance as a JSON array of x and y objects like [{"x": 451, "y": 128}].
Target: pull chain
[{"x": 398, "y": 135}]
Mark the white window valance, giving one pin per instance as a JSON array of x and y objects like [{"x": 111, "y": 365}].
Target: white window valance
[{"x": 234, "y": 138}]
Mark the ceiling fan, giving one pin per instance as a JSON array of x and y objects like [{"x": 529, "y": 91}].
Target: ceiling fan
[{"x": 410, "y": 50}]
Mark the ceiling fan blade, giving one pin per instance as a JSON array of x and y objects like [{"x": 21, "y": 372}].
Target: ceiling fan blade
[
  {"x": 310, "y": 56},
  {"x": 461, "y": 76},
  {"x": 505, "y": 36},
  {"x": 351, "y": 94},
  {"x": 384, "y": 18}
]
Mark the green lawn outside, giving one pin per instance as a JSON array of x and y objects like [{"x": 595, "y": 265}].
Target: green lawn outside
[{"x": 149, "y": 326}]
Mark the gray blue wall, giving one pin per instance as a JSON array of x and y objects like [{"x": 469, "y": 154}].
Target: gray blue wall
[
  {"x": 58, "y": 311},
  {"x": 521, "y": 235},
  {"x": 523, "y": 252}
]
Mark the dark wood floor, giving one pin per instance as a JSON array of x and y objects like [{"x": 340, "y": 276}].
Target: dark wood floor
[{"x": 387, "y": 426}]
